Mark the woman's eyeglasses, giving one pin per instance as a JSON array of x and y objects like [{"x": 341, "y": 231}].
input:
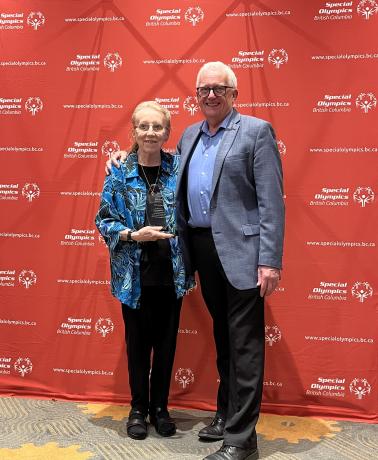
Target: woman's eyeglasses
[{"x": 146, "y": 127}]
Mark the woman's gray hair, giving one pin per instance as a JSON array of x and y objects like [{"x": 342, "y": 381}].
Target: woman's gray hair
[
  {"x": 218, "y": 65},
  {"x": 150, "y": 105}
]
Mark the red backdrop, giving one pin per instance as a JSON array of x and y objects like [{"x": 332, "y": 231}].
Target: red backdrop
[{"x": 71, "y": 74}]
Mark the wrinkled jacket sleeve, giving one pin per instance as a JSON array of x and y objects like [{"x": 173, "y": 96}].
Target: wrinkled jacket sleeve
[
  {"x": 268, "y": 178},
  {"x": 108, "y": 219}
]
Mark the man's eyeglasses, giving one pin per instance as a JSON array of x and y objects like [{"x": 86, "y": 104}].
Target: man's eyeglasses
[
  {"x": 155, "y": 128},
  {"x": 204, "y": 91}
]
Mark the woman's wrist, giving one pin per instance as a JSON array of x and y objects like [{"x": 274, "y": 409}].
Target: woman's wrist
[
  {"x": 127, "y": 235},
  {"x": 133, "y": 236}
]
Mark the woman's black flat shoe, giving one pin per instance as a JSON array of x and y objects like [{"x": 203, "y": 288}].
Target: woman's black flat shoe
[
  {"x": 137, "y": 425},
  {"x": 163, "y": 423}
]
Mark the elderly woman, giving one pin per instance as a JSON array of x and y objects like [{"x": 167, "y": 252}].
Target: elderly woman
[{"x": 137, "y": 220}]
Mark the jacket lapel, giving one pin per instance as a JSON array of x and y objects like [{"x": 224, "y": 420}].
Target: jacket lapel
[
  {"x": 186, "y": 151},
  {"x": 224, "y": 147}
]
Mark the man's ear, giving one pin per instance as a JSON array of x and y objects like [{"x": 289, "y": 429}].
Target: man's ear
[{"x": 235, "y": 93}]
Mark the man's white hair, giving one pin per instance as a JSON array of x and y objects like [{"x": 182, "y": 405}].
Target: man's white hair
[{"x": 221, "y": 66}]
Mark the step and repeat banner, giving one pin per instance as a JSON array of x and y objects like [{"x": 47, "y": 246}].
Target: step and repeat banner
[{"x": 71, "y": 73}]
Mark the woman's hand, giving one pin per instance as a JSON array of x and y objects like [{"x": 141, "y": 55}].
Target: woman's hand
[{"x": 149, "y": 233}]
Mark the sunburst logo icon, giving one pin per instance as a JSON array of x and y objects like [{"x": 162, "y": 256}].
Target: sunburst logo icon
[
  {"x": 112, "y": 61},
  {"x": 363, "y": 196},
  {"x": 272, "y": 335},
  {"x": 278, "y": 57},
  {"x": 194, "y": 15},
  {"x": 367, "y": 8},
  {"x": 30, "y": 191},
  {"x": 27, "y": 278},
  {"x": 104, "y": 326},
  {"x": 366, "y": 102},
  {"x": 362, "y": 290},
  {"x": 23, "y": 366},
  {"x": 33, "y": 105},
  {"x": 101, "y": 239},
  {"x": 281, "y": 148},
  {"x": 190, "y": 105},
  {"x": 35, "y": 19},
  {"x": 110, "y": 147},
  {"x": 184, "y": 377},
  {"x": 360, "y": 388}
]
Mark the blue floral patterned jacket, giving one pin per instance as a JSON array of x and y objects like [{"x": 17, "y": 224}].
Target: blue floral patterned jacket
[{"x": 123, "y": 205}]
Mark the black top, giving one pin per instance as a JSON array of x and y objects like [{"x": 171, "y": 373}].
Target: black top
[{"x": 155, "y": 263}]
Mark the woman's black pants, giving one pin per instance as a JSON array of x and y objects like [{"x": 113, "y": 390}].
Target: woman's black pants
[{"x": 151, "y": 329}]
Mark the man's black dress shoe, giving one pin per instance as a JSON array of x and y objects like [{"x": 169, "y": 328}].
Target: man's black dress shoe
[
  {"x": 162, "y": 422},
  {"x": 136, "y": 425},
  {"x": 214, "y": 431},
  {"x": 233, "y": 453}
]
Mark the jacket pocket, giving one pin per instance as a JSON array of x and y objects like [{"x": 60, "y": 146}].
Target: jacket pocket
[{"x": 235, "y": 166}]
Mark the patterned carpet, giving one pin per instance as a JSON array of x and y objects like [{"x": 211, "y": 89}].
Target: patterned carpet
[{"x": 55, "y": 430}]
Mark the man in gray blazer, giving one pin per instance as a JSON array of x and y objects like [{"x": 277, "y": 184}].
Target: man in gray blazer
[{"x": 230, "y": 217}]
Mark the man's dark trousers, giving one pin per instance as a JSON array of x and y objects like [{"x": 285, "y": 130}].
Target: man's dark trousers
[{"x": 238, "y": 322}]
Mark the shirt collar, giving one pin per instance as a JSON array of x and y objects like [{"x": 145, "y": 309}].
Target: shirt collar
[{"x": 223, "y": 125}]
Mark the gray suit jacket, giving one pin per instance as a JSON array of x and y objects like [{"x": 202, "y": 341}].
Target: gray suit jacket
[{"x": 246, "y": 207}]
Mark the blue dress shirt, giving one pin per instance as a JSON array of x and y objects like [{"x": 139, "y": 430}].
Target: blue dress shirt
[{"x": 200, "y": 174}]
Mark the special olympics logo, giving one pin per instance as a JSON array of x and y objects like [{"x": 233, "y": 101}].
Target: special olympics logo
[
  {"x": 278, "y": 57},
  {"x": 36, "y": 19},
  {"x": 366, "y": 102},
  {"x": 112, "y": 61},
  {"x": 272, "y": 335},
  {"x": 23, "y": 366},
  {"x": 110, "y": 147},
  {"x": 281, "y": 148},
  {"x": 194, "y": 15},
  {"x": 359, "y": 388},
  {"x": 363, "y": 196},
  {"x": 33, "y": 105},
  {"x": 366, "y": 8},
  {"x": 190, "y": 105},
  {"x": 30, "y": 191},
  {"x": 27, "y": 278},
  {"x": 362, "y": 290},
  {"x": 104, "y": 326},
  {"x": 184, "y": 377}
]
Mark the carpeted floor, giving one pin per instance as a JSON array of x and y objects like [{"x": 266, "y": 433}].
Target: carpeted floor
[{"x": 54, "y": 430}]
